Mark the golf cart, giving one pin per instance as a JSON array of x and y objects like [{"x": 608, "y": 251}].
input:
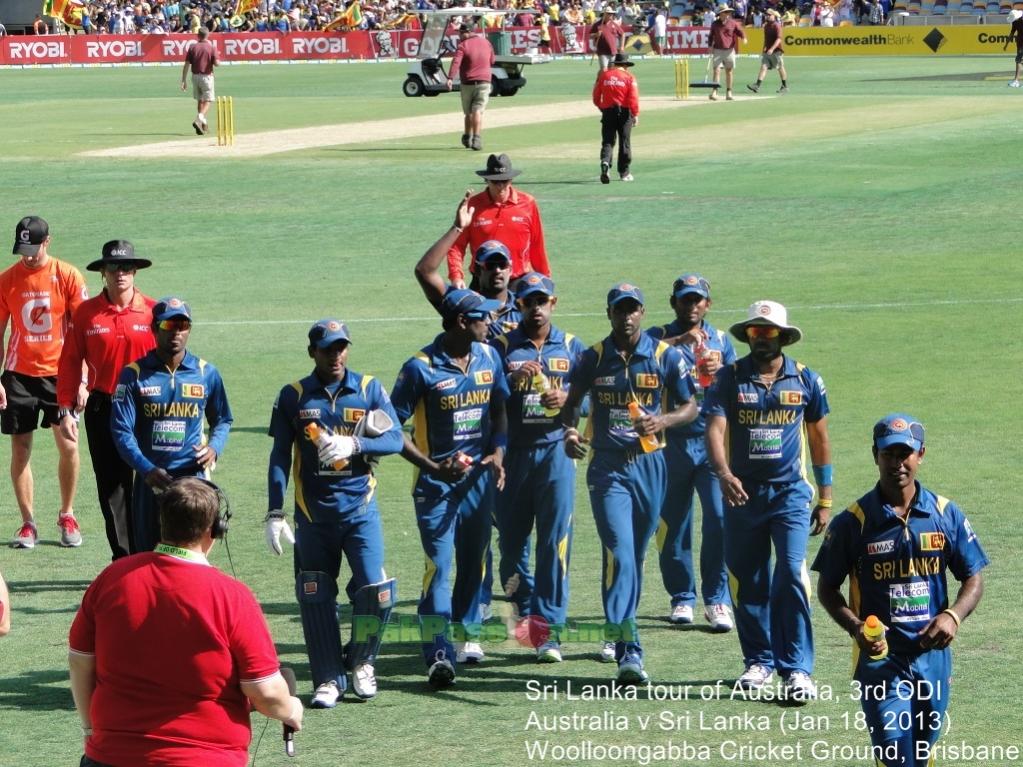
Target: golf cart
[{"x": 426, "y": 75}]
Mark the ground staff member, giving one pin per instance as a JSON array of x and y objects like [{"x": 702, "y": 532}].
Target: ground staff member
[
  {"x": 725, "y": 35},
  {"x": 167, "y": 653},
  {"x": 473, "y": 62},
  {"x": 773, "y": 56},
  {"x": 107, "y": 332},
  {"x": 201, "y": 58},
  {"x": 330, "y": 428},
  {"x": 705, "y": 349},
  {"x": 616, "y": 95},
  {"x": 502, "y": 213},
  {"x": 1016, "y": 34},
  {"x": 770, "y": 406},
  {"x": 454, "y": 390},
  {"x": 607, "y": 36},
  {"x": 626, "y": 483},
  {"x": 895, "y": 544},
  {"x": 38, "y": 296},
  {"x": 539, "y": 476},
  {"x": 157, "y": 416}
]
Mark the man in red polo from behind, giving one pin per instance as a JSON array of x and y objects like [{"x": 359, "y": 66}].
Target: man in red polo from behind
[
  {"x": 472, "y": 61},
  {"x": 167, "y": 652}
]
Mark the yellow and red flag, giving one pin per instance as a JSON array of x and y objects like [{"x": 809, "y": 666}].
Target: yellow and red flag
[
  {"x": 68, "y": 11},
  {"x": 351, "y": 17}
]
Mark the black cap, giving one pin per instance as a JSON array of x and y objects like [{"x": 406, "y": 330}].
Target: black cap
[
  {"x": 29, "y": 236},
  {"x": 118, "y": 252}
]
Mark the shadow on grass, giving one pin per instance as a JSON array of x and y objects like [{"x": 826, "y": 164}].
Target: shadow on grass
[
  {"x": 35, "y": 587},
  {"x": 36, "y": 690}
]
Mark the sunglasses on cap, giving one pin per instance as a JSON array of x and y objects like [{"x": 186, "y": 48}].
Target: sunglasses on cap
[
  {"x": 916, "y": 430},
  {"x": 762, "y": 331},
  {"x": 175, "y": 323},
  {"x": 681, "y": 284}
]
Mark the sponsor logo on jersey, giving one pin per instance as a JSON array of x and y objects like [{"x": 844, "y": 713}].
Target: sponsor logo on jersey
[
  {"x": 119, "y": 393},
  {"x": 794, "y": 398},
  {"x": 970, "y": 535},
  {"x": 353, "y": 414},
  {"x": 648, "y": 380},
  {"x": 604, "y": 381},
  {"x": 558, "y": 364},
  {"x": 309, "y": 587},
  {"x": 515, "y": 364},
  {"x": 483, "y": 377},
  {"x": 150, "y": 391},
  {"x": 881, "y": 547},
  {"x": 748, "y": 397},
  {"x": 311, "y": 412},
  {"x": 193, "y": 391},
  {"x": 447, "y": 383},
  {"x": 932, "y": 541}
]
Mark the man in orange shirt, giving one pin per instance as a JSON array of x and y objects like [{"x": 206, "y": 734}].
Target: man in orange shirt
[
  {"x": 37, "y": 298},
  {"x": 616, "y": 95},
  {"x": 507, "y": 215},
  {"x": 108, "y": 332}
]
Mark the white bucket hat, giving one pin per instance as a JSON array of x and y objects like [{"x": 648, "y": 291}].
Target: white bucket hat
[
  {"x": 1014, "y": 15},
  {"x": 768, "y": 313}
]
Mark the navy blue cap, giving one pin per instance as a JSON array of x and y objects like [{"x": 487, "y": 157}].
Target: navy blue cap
[
  {"x": 468, "y": 302},
  {"x": 490, "y": 249},
  {"x": 171, "y": 307},
  {"x": 326, "y": 332},
  {"x": 624, "y": 290},
  {"x": 899, "y": 429},
  {"x": 534, "y": 282},
  {"x": 691, "y": 283}
]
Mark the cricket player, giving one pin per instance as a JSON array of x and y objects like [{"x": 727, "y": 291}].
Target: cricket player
[
  {"x": 896, "y": 545},
  {"x": 771, "y": 408},
  {"x": 158, "y": 414},
  {"x": 539, "y": 476},
  {"x": 705, "y": 349},
  {"x": 330, "y": 428},
  {"x": 454, "y": 390},
  {"x": 627, "y": 475}
]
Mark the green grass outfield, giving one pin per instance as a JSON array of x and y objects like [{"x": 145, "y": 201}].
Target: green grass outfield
[{"x": 879, "y": 200}]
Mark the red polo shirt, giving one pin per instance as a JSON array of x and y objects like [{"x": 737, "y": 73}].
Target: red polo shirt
[
  {"x": 616, "y": 87},
  {"x": 107, "y": 339},
  {"x": 725, "y": 35},
  {"x": 473, "y": 59},
  {"x": 516, "y": 223}
]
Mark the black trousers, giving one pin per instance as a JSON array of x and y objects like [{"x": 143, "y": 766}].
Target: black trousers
[
  {"x": 616, "y": 122},
  {"x": 113, "y": 476}
]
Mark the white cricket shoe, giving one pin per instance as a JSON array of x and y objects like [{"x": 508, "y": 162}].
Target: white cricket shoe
[
  {"x": 681, "y": 615},
  {"x": 799, "y": 688},
  {"x": 548, "y": 652},
  {"x": 719, "y": 617},
  {"x": 326, "y": 695},
  {"x": 1014, "y": 84},
  {"x": 364, "y": 681},
  {"x": 755, "y": 677},
  {"x": 607, "y": 652},
  {"x": 468, "y": 652}
]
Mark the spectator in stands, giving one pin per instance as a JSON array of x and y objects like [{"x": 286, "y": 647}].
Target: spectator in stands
[
  {"x": 876, "y": 15},
  {"x": 39, "y": 26}
]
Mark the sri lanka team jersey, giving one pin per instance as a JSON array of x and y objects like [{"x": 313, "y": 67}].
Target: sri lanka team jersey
[
  {"x": 897, "y": 566},
  {"x": 766, "y": 437},
  {"x": 718, "y": 343},
  {"x": 157, "y": 415},
  {"x": 322, "y": 491},
  {"x": 450, "y": 408},
  {"x": 614, "y": 380},
  {"x": 528, "y": 425}
]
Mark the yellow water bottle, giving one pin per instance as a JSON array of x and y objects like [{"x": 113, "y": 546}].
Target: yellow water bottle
[
  {"x": 541, "y": 385},
  {"x": 649, "y": 443},
  {"x": 873, "y": 630}
]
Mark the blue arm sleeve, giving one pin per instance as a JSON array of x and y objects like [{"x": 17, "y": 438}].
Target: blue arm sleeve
[
  {"x": 122, "y": 423},
  {"x": 218, "y": 412},
  {"x": 280, "y": 454}
]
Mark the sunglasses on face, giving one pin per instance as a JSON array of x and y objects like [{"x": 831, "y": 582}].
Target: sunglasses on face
[
  {"x": 120, "y": 267},
  {"x": 761, "y": 331},
  {"x": 174, "y": 324},
  {"x": 495, "y": 264}
]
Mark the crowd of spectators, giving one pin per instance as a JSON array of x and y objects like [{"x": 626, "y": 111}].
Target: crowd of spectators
[{"x": 168, "y": 16}]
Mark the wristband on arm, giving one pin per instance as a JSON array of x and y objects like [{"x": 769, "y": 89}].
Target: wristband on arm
[{"x": 822, "y": 475}]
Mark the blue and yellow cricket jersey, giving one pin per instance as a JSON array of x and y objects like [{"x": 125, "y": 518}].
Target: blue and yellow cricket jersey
[
  {"x": 718, "y": 343},
  {"x": 766, "y": 436},
  {"x": 528, "y": 425},
  {"x": 505, "y": 320},
  {"x": 450, "y": 410},
  {"x": 157, "y": 415},
  {"x": 897, "y": 566},
  {"x": 653, "y": 370},
  {"x": 322, "y": 492}
]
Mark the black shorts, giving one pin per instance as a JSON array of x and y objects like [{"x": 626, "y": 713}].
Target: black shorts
[
  {"x": 27, "y": 397},
  {"x": 1019, "y": 55}
]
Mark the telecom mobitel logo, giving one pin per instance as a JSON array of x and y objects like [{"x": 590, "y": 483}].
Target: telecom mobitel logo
[{"x": 935, "y": 39}]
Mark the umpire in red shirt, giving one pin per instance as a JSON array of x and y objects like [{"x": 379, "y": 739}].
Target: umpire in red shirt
[
  {"x": 616, "y": 95},
  {"x": 107, "y": 333},
  {"x": 472, "y": 61}
]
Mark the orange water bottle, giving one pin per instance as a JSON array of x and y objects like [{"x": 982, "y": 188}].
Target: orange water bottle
[
  {"x": 873, "y": 630},
  {"x": 703, "y": 354},
  {"x": 649, "y": 443},
  {"x": 316, "y": 434}
]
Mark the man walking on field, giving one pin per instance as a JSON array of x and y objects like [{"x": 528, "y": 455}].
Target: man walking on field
[
  {"x": 201, "y": 58},
  {"x": 472, "y": 62}
]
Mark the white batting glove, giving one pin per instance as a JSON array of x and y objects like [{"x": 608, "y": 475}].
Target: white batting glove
[
  {"x": 277, "y": 525},
  {"x": 335, "y": 448}
]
